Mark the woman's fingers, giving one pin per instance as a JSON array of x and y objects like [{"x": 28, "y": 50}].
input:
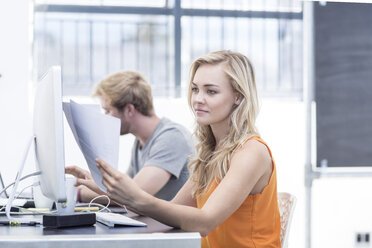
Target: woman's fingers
[
  {"x": 107, "y": 185},
  {"x": 111, "y": 179},
  {"x": 118, "y": 185},
  {"x": 107, "y": 180},
  {"x": 106, "y": 167}
]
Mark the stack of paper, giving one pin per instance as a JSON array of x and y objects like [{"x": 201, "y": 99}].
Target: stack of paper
[{"x": 96, "y": 134}]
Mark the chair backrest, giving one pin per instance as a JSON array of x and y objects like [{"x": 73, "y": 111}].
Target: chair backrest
[{"x": 287, "y": 203}]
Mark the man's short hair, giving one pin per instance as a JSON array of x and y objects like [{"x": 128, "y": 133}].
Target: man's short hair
[{"x": 126, "y": 87}]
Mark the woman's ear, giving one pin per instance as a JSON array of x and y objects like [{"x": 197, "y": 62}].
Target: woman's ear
[{"x": 238, "y": 98}]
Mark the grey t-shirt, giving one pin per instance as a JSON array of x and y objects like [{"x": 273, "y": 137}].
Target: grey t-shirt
[{"x": 169, "y": 147}]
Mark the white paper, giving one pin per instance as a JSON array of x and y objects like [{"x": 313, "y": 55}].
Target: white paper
[
  {"x": 67, "y": 111},
  {"x": 96, "y": 134}
]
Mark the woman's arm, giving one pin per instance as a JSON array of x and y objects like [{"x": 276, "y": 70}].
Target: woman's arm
[
  {"x": 184, "y": 195},
  {"x": 248, "y": 166},
  {"x": 152, "y": 179}
]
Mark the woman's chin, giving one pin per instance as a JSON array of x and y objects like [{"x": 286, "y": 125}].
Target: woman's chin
[{"x": 202, "y": 122}]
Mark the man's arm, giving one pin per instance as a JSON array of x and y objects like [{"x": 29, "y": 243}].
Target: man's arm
[
  {"x": 86, "y": 195},
  {"x": 167, "y": 157},
  {"x": 151, "y": 179}
]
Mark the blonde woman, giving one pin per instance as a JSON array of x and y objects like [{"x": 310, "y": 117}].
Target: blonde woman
[{"x": 231, "y": 195}]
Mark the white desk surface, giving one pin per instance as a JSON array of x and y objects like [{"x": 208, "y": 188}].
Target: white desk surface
[{"x": 155, "y": 235}]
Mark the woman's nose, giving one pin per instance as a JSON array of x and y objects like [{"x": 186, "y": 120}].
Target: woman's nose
[{"x": 199, "y": 97}]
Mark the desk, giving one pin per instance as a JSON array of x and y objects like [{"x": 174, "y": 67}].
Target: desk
[{"x": 155, "y": 235}]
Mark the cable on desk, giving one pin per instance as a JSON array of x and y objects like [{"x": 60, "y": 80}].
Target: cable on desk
[
  {"x": 97, "y": 204},
  {"x": 16, "y": 223},
  {"x": 22, "y": 178}
]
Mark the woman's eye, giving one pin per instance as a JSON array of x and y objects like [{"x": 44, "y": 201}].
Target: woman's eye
[
  {"x": 194, "y": 89},
  {"x": 211, "y": 92}
]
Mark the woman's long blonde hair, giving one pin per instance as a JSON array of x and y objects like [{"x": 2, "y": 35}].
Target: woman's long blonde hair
[{"x": 211, "y": 163}]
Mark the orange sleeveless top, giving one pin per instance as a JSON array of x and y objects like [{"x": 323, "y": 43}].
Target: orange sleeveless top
[{"x": 256, "y": 223}]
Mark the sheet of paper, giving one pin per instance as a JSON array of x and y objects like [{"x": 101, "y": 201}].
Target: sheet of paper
[
  {"x": 67, "y": 111},
  {"x": 70, "y": 121},
  {"x": 97, "y": 135}
]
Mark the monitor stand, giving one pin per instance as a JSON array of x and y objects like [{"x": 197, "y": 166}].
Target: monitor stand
[
  {"x": 65, "y": 217},
  {"x": 68, "y": 220},
  {"x": 19, "y": 174},
  {"x": 57, "y": 220}
]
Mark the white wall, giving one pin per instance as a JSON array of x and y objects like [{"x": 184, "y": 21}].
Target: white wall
[
  {"x": 341, "y": 207},
  {"x": 15, "y": 122}
]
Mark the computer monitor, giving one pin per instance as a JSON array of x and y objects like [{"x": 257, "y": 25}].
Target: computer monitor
[
  {"x": 49, "y": 152},
  {"x": 48, "y": 130}
]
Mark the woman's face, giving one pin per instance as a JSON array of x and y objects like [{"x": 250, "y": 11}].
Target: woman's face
[{"x": 212, "y": 96}]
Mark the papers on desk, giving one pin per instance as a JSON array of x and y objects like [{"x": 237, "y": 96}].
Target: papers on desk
[{"x": 96, "y": 134}]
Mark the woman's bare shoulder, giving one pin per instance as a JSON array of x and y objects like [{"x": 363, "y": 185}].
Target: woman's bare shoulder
[{"x": 254, "y": 153}]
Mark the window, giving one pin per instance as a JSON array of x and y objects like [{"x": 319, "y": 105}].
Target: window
[{"x": 91, "y": 39}]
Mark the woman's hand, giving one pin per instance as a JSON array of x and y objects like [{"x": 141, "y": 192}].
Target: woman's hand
[
  {"x": 83, "y": 178},
  {"x": 120, "y": 187}
]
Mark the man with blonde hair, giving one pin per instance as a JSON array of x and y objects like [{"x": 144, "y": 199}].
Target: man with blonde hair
[{"x": 161, "y": 150}]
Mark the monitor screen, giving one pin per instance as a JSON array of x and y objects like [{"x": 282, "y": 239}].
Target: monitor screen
[{"x": 48, "y": 130}]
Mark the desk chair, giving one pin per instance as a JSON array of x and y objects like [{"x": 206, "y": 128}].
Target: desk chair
[{"x": 286, "y": 203}]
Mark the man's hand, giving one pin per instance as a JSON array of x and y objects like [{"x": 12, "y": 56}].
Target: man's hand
[
  {"x": 78, "y": 172},
  {"x": 83, "y": 178}
]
